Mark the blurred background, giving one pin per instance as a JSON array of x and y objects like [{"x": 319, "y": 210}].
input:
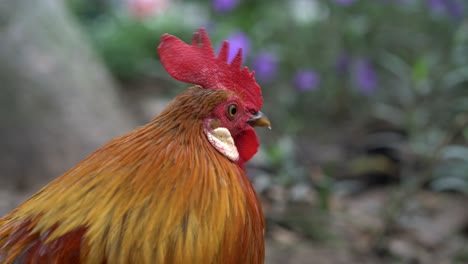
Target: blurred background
[{"x": 367, "y": 158}]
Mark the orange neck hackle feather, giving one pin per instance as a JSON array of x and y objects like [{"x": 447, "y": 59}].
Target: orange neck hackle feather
[{"x": 196, "y": 207}]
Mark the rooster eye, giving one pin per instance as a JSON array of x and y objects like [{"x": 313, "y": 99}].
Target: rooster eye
[{"x": 232, "y": 110}]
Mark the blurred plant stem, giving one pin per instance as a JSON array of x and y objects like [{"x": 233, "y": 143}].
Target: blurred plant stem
[{"x": 324, "y": 188}]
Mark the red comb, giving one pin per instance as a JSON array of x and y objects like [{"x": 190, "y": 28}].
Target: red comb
[{"x": 197, "y": 64}]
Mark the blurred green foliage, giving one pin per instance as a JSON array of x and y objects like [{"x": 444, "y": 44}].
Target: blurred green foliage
[{"x": 402, "y": 61}]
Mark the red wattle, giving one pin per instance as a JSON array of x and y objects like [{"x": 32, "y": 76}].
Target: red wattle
[{"x": 247, "y": 145}]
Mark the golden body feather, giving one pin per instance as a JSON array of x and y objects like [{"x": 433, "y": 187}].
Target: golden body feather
[{"x": 160, "y": 194}]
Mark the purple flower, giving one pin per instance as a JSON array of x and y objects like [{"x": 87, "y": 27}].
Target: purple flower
[
  {"x": 265, "y": 65},
  {"x": 224, "y": 6},
  {"x": 306, "y": 80},
  {"x": 436, "y": 6},
  {"x": 453, "y": 8},
  {"x": 344, "y": 2},
  {"x": 365, "y": 76},
  {"x": 238, "y": 40}
]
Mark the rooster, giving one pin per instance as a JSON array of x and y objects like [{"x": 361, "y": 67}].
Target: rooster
[{"x": 172, "y": 191}]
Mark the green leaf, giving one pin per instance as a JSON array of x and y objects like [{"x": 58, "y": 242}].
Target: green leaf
[
  {"x": 455, "y": 152},
  {"x": 455, "y": 77},
  {"x": 420, "y": 69}
]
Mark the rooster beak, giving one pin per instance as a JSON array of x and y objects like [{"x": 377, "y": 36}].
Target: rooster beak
[{"x": 259, "y": 120}]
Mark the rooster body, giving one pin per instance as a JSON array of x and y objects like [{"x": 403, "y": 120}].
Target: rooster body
[{"x": 172, "y": 191}]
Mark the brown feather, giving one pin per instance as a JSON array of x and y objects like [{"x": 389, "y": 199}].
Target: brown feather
[{"x": 160, "y": 194}]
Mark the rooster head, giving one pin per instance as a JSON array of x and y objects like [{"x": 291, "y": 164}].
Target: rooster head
[{"x": 229, "y": 127}]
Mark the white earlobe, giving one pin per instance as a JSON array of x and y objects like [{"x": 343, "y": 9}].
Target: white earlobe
[{"x": 221, "y": 139}]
